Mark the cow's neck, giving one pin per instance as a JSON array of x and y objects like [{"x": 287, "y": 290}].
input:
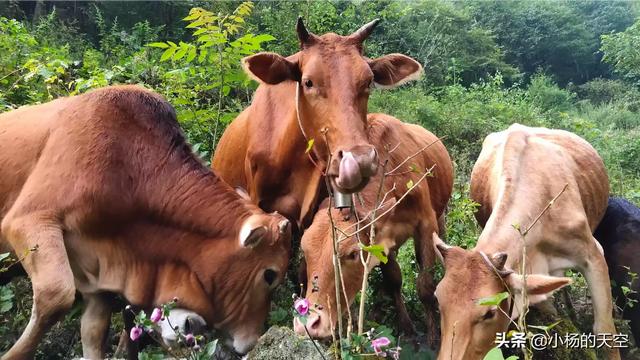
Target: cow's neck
[
  {"x": 514, "y": 210},
  {"x": 192, "y": 197},
  {"x": 152, "y": 284},
  {"x": 280, "y": 150}
]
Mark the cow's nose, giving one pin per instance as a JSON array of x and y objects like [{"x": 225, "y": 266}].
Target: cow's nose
[
  {"x": 313, "y": 324},
  {"x": 356, "y": 166},
  {"x": 368, "y": 162}
]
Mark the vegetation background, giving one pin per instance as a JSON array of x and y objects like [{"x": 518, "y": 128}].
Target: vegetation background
[{"x": 572, "y": 65}]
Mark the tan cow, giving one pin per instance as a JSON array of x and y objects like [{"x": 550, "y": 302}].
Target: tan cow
[
  {"x": 320, "y": 92},
  {"x": 418, "y": 215},
  {"x": 518, "y": 172},
  {"x": 107, "y": 189}
]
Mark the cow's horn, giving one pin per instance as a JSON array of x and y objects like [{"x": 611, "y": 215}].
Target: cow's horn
[
  {"x": 496, "y": 263},
  {"x": 305, "y": 37},
  {"x": 252, "y": 231},
  {"x": 283, "y": 226},
  {"x": 498, "y": 260},
  {"x": 363, "y": 33}
]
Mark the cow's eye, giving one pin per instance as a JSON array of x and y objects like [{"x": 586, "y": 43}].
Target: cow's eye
[
  {"x": 270, "y": 277},
  {"x": 489, "y": 314},
  {"x": 353, "y": 255},
  {"x": 308, "y": 83}
]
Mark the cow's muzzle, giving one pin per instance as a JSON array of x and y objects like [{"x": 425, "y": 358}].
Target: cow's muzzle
[{"x": 350, "y": 170}]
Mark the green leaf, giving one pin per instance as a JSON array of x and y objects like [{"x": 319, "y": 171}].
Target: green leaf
[
  {"x": 158, "y": 45},
  {"x": 210, "y": 349},
  {"x": 545, "y": 328},
  {"x": 409, "y": 184},
  {"x": 168, "y": 53},
  {"x": 494, "y": 354},
  {"x": 194, "y": 15},
  {"x": 263, "y": 38},
  {"x": 192, "y": 54},
  {"x": 4, "y": 256},
  {"x": 493, "y": 300},
  {"x": 181, "y": 52},
  {"x": 309, "y": 146},
  {"x": 377, "y": 251}
]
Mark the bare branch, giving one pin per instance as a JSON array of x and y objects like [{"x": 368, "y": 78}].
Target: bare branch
[
  {"x": 427, "y": 173},
  {"x": 414, "y": 155}
]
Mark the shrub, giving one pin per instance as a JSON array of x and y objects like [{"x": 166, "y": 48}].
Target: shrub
[{"x": 545, "y": 94}]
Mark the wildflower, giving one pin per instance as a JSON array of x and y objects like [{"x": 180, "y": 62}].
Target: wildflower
[
  {"x": 135, "y": 333},
  {"x": 301, "y": 306},
  {"x": 156, "y": 315},
  {"x": 189, "y": 339},
  {"x": 379, "y": 343}
]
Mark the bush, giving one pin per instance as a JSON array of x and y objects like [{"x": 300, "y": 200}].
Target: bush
[
  {"x": 600, "y": 91},
  {"x": 547, "y": 96}
]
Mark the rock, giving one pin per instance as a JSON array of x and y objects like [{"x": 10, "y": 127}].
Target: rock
[{"x": 281, "y": 343}]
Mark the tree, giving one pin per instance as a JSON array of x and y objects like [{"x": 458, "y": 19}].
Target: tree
[{"x": 621, "y": 51}]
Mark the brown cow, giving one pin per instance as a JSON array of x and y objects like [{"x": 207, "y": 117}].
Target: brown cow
[
  {"x": 418, "y": 215},
  {"x": 108, "y": 190},
  {"x": 518, "y": 172},
  {"x": 320, "y": 92}
]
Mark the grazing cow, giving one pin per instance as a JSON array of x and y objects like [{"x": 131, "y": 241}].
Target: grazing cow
[
  {"x": 619, "y": 235},
  {"x": 517, "y": 174},
  {"x": 107, "y": 191},
  {"x": 419, "y": 215},
  {"x": 318, "y": 94}
]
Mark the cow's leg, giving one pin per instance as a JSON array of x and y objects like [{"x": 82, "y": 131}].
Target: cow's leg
[
  {"x": 392, "y": 280},
  {"x": 39, "y": 236},
  {"x": 425, "y": 285},
  {"x": 597, "y": 276},
  {"x": 94, "y": 325}
]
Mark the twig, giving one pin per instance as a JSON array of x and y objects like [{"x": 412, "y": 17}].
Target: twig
[
  {"x": 313, "y": 342},
  {"x": 522, "y": 321},
  {"x": 427, "y": 173},
  {"x": 414, "y": 155},
  {"x": 336, "y": 258},
  {"x": 545, "y": 209},
  {"x": 365, "y": 263}
]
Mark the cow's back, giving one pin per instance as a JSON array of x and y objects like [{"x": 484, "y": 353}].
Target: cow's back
[
  {"x": 406, "y": 141},
  {"x": 538, "y": 162},
  {"x": 230, "y": 153},
  {"x": 23, "y": 134}
]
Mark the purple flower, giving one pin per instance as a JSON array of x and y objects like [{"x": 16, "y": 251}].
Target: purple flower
[
  {"x": 156, "y": 315},
  {"x": 301, "y": 306},
  {"x": 135, "y": 333},
  {"x": 189, "y": 339},
  {"x": 379, "y": 343}
]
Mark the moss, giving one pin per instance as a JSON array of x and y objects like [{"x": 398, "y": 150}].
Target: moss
[{"x": 281, "y": 343}]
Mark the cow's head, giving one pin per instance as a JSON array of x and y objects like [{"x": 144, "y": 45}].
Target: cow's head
[
  {"x": 317, "y": 246},
  {"x": 186, "y": 322},
  {"x": 334, "y": 80},
  {"x": 239, "y": 276},
  {"x": 468, "y": 329}
]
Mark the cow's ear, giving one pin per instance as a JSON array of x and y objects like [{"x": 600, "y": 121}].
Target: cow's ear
[
  {"x": 440, "y": 247},
  {"x": 393, "y": 70},
  {"x": 270, "y": 68},
  {"x": 538, "y": 286},
  {"x": 243, "y": 193},
  {"x": 252, "y": 231}
]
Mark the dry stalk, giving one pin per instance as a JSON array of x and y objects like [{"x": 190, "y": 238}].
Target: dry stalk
[
  {"x": 522, "y": 321},
  {"x": 365, "y": 263},
  {"x": 376, "y": 218},
  {"x": 412, "y": 156},
  {"x": 336, "y": 258}
]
